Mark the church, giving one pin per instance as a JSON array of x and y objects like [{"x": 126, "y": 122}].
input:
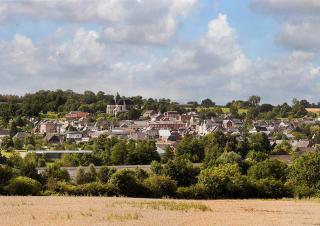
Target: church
[{"x": 117, "y": 106}]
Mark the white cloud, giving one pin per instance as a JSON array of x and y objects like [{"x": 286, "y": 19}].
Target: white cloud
[
  {"x": 300, "y": 28},
  {"x": 214, "y": 65},
  {"x": 300, "y": 35},
  {"x": 84, "y": 49},
  {"x": 215, "y": 54},
  {"x": 287, "y": 6},
  {"x": 124, "y": 21}
]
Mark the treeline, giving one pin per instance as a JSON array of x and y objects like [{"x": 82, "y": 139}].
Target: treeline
[
  {"x": 64, "y": 101},
  {"x": 229, "y": 177},
  {"x": 33, "y": 104}
]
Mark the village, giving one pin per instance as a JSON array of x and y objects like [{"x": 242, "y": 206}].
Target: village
[{"x": 166, "y": 129}]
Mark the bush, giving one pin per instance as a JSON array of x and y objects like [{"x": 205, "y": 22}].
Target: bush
[
  {"x": 269, "y": 169},
  {"x": 89, "y": 189},
  {"x": 197, "y": 191},
  {"x": 105, "y": 173},
  {"x": 86, "y": 177},
  {"x": 56, "y": 172},
  {"x": 304, "y": 175},
  {"x": 257, "y": 156},
  {"x": 128, "y": 185},
  {"x": 224, "y": 181},
  {"x": 23, "y": 186},
  {"x": 182, "y": 171},
  {"x": 5, "y": 174},
  {"x": 270, "y": 188},
  {"x": 229, "y": 157},
  {"x": 161, "y": 186}
]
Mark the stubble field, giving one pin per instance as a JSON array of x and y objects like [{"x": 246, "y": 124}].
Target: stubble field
[{"x": 125, "y": 211}]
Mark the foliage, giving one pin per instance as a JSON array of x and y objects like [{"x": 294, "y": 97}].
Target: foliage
[
  {"x": 283, "y": 148},
  {"x": 196, "y": 191},
  {"x": 105, "y": 173},
  {"x": 23, "y": 186},
  {"x": 273, "y": 169},
  {"x": 182, "y": 171},
  {"x": 191, "y": 148},
  {"x": 304, "y": 174},
  {"x": 54, "y": 171},
  {"x": 223, "y": 181},
  {"x": 161, "y": 186},
  {"x": 127, "y": 184},
  {"x": 83, "y": 177}
]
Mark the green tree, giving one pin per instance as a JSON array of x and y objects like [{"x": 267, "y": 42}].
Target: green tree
[
  {"x": 260, "y": 142},
  {"x": 229, "y": 157},
  {"x": 17, "y": 143},
  {"x": 304, "y": 174},
  {"x": 7, "y": 143},
  {"x": 207, "y": 103},
  {"x": 254, "y": 100},
  {"x": 191, "y": 148},
  {"x": 223, "y": 181},
  {"x": 269, "y": 169},
  {"x": 283, "y": 148},
  {"x": 128, "y": 185},
  {"x": 161, "y": 186},
  {"x": 182, "y": 171},
  {"x": 168, "y": 154},
  {"x": 23, "y": 186}
]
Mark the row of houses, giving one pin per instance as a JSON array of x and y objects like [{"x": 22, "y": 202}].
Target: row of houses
[{"x": 167, "y": 128}]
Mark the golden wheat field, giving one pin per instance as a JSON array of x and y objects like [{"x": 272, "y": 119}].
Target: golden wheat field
[{"x": 126, "y": 211}]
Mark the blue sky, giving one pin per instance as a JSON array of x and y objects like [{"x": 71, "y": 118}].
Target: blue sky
[{"x": 178, "y": 49}]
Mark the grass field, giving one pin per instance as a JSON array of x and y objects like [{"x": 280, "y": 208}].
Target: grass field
[{"x": 126, "y": 211}]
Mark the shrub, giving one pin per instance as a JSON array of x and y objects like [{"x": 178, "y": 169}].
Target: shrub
[
  {"x": 86, "y": 177},
  {"x": 89, "y": 189},
  {"x": 304, "y": 175},
  {"x": 5, "y": 174},
  {"x": 105, "y": 173},
  {"x": 224, "y": 181},
  {"x": 161, "y": 186},
  {"x": 268, "y": 169},
  {"x": 270, "y": 188},
  {"x": 229, "y": 157},
  {"x": 128, "y": 185},
  {"x": 156, "y": 167},
  {"x": 196, "y": 191},
  {"x": 23, "y": 186},
  {"x": 182, "y": 171},
  {"x": 257, "y": 156},
  {"x": 56, "y": 172}
]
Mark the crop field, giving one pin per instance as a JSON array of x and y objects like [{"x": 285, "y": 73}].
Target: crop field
[{"x": 127, "y": 211}]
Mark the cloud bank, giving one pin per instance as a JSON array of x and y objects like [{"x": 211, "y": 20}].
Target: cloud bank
[{"x": 122, "y": 55}]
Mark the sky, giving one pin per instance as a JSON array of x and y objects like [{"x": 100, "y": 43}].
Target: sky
[{"x": 185, "y": 50}]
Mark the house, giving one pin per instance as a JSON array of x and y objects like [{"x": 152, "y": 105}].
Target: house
[
  {"x": 54, "y": 138},
  {"x": 172, "y": 115},
  {"x": 123, "y": 105},
  {"x": 72, "y": 136},
  {"x": 227, "y": 124},
  {"x": 138, "y": 136},
  {"x": 76, "y": 115},
  {"x": 258, "y": 129},
  {"x": 149, "y": 114},
  {"x": 166, "y": 124},
  {"x": 49, "y": 127},
  {"x": 301, "y": 145},
  {"x": 164, "y": 134}
]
